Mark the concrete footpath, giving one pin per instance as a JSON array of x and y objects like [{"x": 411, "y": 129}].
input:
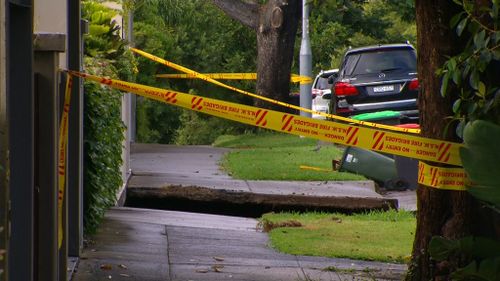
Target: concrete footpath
[
  {"x": 155, "y": 245},
  {"x": 191, "y": 174}
]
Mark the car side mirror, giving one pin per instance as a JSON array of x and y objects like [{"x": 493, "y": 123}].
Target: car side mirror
[{"x": 327, "y": 96}]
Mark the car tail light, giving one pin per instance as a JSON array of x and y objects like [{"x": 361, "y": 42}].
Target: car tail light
[
  {"x": 345, "y": 89},
  {"x": 414, "y": 85}
]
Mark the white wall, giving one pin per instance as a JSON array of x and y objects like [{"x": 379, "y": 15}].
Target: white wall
[{"x": 126, "y": 101}]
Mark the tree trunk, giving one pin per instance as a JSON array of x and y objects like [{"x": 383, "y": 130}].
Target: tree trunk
[
  {"x": 451, "y": 214},
  {"x": 276, "y": 32},
  {"x": 276, "y": 28}
]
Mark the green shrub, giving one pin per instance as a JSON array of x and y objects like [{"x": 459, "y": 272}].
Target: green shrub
[
  {"x": 197, "y": 129},
  {"x": 105, "y": 55},
  {"x": 103, "y": 136},
  {"x": 156, "y": 122}
]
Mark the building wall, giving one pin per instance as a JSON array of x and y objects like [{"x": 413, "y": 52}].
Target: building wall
[{"x": 50, "y": 16}]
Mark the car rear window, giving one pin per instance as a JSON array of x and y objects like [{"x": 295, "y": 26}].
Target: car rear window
[
  {"x": 322, "y": 84},
  {"x": 380, "y": 61}
]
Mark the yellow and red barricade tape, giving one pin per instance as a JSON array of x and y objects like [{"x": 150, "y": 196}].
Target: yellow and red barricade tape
[
  {"x": 211, "y": 80},
  {"x": 234, "y": 76},
  {"x": 441, "y": 177},
  {"x": 61, "y": 159},
  {"x": 376, "y": 137},
  {"x": 347, "y": 134}
]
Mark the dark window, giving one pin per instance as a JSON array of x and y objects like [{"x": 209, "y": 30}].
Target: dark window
[
  {"x": 381, "y": 61},
  {"x": 350, "y": 63}
]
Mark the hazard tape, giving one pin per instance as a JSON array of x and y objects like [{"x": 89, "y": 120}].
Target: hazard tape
[
  {"x": 441, "y": 178},
  {"x": 61, "y": 159},
  {"x": 234, "y": 76},
  {"x": 287, "y": 105},
  {"x": 347, "y": 134},
  {"x": 318, "y": 169}
]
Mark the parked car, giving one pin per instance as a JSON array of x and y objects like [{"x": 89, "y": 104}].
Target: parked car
[
  {"x": 321, "y": 92},
  {"x": 376, "y": 78}
]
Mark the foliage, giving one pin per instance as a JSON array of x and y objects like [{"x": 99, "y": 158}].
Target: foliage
[
  {"x": 103, "y": 38},
  {"x": 473, "y": 72},
  {"x": 473, "y": 75},
  {"x": 173, "y": 30},
  {"x": 273, "y": 156},
  {"x": 202, "y": 129},
  {"x": 382, "y": 236},
  {"x": 337, "y": 25},
  {"x": 105, "y": 55},
  {"x": 156, "y": 122},
  {"x": 103, "y": 136},
  {"x": 485, "y": 264},
  {"x": 480, "y": 159}
]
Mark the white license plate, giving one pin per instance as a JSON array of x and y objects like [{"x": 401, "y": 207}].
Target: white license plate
[{"x": 380, "y": 89}]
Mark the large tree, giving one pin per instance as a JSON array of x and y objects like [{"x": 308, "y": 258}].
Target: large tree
[
  {"x": 449, "y": 214},
  {"x": 275, "y": 23}
]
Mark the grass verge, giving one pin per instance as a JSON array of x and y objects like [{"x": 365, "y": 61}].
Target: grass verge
[
  {"x": 375, "y": 236},
  {"x": 274, "y": 156}
]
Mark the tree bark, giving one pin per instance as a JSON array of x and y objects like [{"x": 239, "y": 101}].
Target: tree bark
[
  {"x": 451, "y": 214},
  {"x": 245, "y": 12},
  {"x": 436, "y": 208},
  {"x": 275, "y": 28},
  {"x": 276, "y": 32}
]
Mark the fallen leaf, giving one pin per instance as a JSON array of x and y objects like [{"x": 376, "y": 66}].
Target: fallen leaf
[
  {"x": 202, "y": 270},
  {"x": 217, "y": 268},
  {"x": 106, "y": 266},
  {"x": 123, "y": 266},
  {"x": 218, "y": 258}
]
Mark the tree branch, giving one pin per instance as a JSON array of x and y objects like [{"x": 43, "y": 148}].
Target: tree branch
[{"x": 244, "y": 11}]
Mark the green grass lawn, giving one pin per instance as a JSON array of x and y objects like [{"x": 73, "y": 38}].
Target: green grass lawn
[
  {"x": 273, "y": 156},
  {"x": 377, "y": 236}
]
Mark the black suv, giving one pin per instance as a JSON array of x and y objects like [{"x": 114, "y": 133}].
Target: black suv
[{"x": 376, "y": 78}]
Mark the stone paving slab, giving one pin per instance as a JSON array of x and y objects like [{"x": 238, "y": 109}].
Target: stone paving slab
[
  {"x": 169, "y": 172},
  {"x": 125, "y": 250},
  {"x": 239, "y": 273},
  {"x": 407, "y": 200},
  {"x": 206, "y": 221},
  {"x": 139, "y": 244}
]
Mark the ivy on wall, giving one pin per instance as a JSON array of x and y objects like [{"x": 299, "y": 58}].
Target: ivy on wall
[{"x": 105, "y": 55}]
